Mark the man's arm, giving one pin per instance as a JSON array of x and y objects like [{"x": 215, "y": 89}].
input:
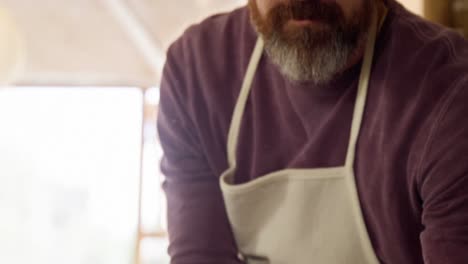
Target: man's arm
[
  {"x": 199, "y": 231},
  {"x": 444, "y": 183}
]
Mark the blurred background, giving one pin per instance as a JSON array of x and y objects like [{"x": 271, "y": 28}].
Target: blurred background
[{"x": 79, "y": 152}]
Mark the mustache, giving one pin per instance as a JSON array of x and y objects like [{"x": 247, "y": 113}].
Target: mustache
[{"x": 328, "y": 12}]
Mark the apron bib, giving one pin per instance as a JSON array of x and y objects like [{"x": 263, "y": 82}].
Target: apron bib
[{"x": 296, "y": 216}]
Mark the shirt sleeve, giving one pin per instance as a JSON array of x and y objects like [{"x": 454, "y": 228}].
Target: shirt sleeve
[
  {"x": 199, "y": 231},
  {"x": 444, "y": 183}
]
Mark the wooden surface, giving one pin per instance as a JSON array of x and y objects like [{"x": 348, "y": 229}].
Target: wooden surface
[
  {"x": 460, "y": 16},
  {"x": 438, "y": 11}
]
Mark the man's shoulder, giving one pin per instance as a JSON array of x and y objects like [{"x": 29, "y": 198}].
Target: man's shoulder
[
  {"x": 429, "y": 43},
  {"x": 218, "y": 23},
  {"x": 424, "y": 54},
  {"x": 206, "y": 64},
  {"x": 214, "y": 33},
  {"x": 424, "y": 66}
]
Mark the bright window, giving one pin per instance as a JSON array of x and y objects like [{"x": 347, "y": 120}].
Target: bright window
[{"x": 69, "y": 175}]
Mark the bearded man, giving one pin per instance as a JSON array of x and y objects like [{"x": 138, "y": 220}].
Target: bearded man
[{"x": 316, "y": 131}]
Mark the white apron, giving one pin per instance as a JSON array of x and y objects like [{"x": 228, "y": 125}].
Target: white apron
[{"x": 298, "y": 216}]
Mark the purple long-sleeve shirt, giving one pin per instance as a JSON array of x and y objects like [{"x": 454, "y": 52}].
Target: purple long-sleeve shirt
[{"x": 412, "y": 154}]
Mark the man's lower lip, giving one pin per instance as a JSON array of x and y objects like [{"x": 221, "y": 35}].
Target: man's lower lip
[{"x": 304, "y": 22}]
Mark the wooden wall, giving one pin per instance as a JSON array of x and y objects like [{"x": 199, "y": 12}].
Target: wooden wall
[{"x": 438, "y": 11}]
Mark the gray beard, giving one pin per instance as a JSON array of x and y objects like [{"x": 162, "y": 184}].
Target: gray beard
[{"x": 305, "y": 61}]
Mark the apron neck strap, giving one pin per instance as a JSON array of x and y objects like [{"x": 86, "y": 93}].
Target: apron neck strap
[
  {"x": 241, "y": 102},
  {"x": 362, "y": 89}
]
